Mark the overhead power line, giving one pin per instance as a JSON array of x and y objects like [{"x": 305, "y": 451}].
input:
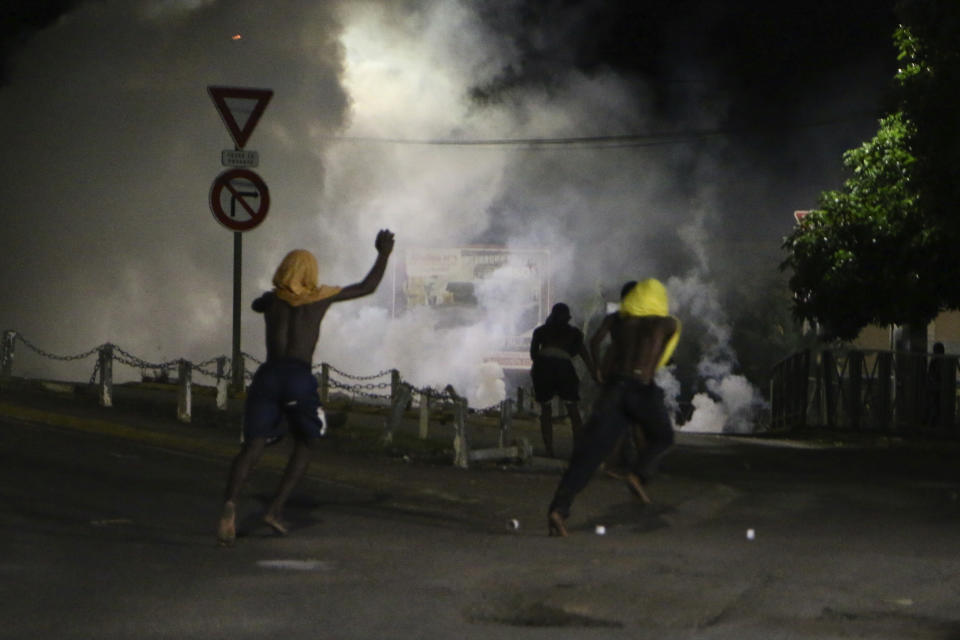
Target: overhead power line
[{"x": 611, "y": 141}]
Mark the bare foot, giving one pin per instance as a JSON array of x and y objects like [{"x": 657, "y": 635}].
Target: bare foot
[
  {"x": 274, "y": 523},
  {"x": 227, "y": 529},
  {"x": 636, "y": 487},
  {"x": 556, "y": 525},
  {"x": 609, "y": 471}
]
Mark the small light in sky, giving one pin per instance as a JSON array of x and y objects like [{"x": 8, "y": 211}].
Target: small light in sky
[{"x": 236, "y": 36}]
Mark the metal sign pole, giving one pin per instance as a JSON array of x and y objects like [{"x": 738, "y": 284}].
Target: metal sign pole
[
  {"x": 237, "y": 379},
  {"x": 241, "y": 186}
]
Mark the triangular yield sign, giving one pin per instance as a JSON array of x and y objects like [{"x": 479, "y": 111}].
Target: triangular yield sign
[{"x": 240, "y": 109}]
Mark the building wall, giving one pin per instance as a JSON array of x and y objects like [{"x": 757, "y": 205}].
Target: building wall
[
  {"x": 945, "y": 328},
  {"x": 873, "y": 337}
]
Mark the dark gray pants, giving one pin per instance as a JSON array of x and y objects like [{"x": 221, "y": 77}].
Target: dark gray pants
[{"x": 622, "y": 403}]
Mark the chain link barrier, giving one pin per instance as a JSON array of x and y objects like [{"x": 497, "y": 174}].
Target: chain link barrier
[
  {"x": 52, "y": 356},
  {"x": 202, "y": 367},
  {"x": 366, "y": 390},
  {"x": 356, "y": 385},
  {"x": 385, "y": 372},
  {"x": 362, "y": 385}
]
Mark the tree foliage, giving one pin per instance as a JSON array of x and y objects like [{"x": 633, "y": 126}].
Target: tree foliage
[
  {"x": 928, "y": 83},
  {"x": 883, "y": 249}
]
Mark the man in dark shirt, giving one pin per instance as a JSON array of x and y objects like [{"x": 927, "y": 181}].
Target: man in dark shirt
[
  {"x": 284, "y": 386},
  {"x": 552, "y": 348},
  {"x": 642, "y": 340}
]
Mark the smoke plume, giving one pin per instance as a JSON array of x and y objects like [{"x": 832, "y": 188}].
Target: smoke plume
[{"x": 381, "y": 118}]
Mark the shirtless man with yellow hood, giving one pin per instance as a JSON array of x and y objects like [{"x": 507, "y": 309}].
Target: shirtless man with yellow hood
[
  {"x": 284, "y": 386},
  {"x": 642, "y": 341}
]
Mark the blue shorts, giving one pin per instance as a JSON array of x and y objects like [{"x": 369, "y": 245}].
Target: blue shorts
[{"x": 283, "y": 389}]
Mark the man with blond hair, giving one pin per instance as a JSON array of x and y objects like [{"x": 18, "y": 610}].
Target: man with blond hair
[
  {"x": 642, "y": 340},
  {"x": 284, "y": 386}
]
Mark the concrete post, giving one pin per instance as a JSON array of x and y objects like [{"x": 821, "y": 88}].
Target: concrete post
[
  {"x": 394, "y": 383},
  {"x": 324, "y": 382},
  {"x": 521, "y": 451},
  {"x": 461, "y": 446},
  {"x": 6, "y": 353},
  {"x": 184, "y": 390},
  {"x": 424, "y": 413},
  {"x": 398, "y": 405},
  {"x": 106, "y": 375},
  {"x": 222, "y": 383},
  {"x": 506, "y": 417}
]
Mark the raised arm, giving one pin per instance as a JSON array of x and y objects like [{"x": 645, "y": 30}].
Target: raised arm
[{"x": 384, "y": 245}]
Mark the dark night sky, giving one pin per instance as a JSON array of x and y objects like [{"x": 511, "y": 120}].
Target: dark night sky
[{"x": 114, "y": 143}]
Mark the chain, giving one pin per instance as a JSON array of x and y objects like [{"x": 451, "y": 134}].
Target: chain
[
  {"x": 360, "y": 390},
  {"x": 352, "y": 377},
  {"x": 201, "y": 368},
  {"x": 47, "y": 354},
  {"x": 132, "y": 360},
  {"x": 367, "y": 389},
  {"x": 207, "y": 372},
  {"x": 369, "y": 385}
]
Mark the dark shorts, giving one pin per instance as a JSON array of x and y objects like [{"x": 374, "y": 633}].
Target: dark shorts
[
  {"x": 555, "y": 377},
  {"x": 283, "y": 389}
]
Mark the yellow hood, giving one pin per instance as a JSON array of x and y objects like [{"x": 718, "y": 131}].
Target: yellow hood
[
  {"x": 649, "y": 298},
  {"x": 295, "y": 281}
]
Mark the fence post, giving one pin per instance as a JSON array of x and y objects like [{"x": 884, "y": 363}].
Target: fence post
[
  {"x": 324, "y": 382},
  {"x": 506, "y": 415},
  {"x": 803, "y": 386},
  {"x": 829, "y": 366},
  {"x": 184, "y": 390},
  {"x": 520, "y": 407},
  {"x": 855, "y": 366},
  {"x": 106, "y": 375},
  {"x": 399, "y": 404},
  {"x": 6, "y": 353},
  {"x": 424, "y": 413},
  {"x": 221, "y": 383},
  {"x": 884, "y": 390},
  {"x": 947, "y": 393},
  {"x": 394, "y": 383},
  {"x": 461, "y": 446}
]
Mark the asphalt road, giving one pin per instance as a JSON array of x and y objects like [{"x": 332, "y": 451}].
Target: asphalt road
[{"x": 110, "y": 534}]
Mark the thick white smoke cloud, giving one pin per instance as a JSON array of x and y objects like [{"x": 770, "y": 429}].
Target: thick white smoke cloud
[
  {"x": 730, "y": 403},
  {"x": 108, "y": 235}
]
